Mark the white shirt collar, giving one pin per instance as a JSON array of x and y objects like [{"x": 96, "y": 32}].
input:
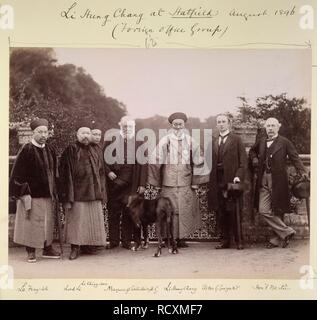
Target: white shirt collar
[
  {"x": 37, "y": 144},
  {"x": 274, "y": 137},
  {"x": 224, "y": 133}
]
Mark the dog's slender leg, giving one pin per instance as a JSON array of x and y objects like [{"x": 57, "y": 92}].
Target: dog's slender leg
[
  {"x": 174, "y": 243},
  {"x": 168, "y": 232},
  {"x": 145, "y": 236},
  {"x": 137, "y": 238},
  {"x": 159, "y": 237}
]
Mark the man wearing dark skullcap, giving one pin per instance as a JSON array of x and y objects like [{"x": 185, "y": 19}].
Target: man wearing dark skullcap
[
  {"x": 82, "y": 192},
  {"x": 177, "y": 115},
  {"x": 33, "y": 184},
  {"x": 175, "y": 172},
  {"x": 96, "y": 132}
]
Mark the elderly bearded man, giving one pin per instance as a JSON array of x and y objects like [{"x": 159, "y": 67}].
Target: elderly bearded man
[
  {"x": 33, "y": 183},
  {"x": 83, "y": 192},
  {"x": 173, "y": 169},
  {"x": 125, "y": 176},
  {"x": 269, "y": 155}
]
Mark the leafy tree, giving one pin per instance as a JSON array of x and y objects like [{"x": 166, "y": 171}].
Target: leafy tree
[
  {"x": 293, "y": 114},
  {"x": 64, "y": 94}
]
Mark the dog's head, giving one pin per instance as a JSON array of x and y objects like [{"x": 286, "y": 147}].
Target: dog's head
[{"x": 135, "y": 206}]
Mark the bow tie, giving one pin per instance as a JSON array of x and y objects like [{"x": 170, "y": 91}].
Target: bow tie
[{"x": 271, "y": 139}]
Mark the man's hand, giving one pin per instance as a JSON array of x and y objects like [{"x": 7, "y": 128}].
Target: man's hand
[
  {"x": 236, "y": 180},
  {"x": 141, "y": 190},
  {"x": 67, "y": 205},
  {"x": 119, "y": 182},
  {"x": 112, "y": 176}
]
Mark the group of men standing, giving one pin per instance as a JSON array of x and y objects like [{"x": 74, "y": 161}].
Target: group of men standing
[{"x": 83, "y": 181}]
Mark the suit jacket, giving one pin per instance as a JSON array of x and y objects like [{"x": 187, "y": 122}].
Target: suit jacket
[
  {"x": 234, "y": 165},
  {"x": 282, "y": 149},
  {"x": 130, "y": 176}
]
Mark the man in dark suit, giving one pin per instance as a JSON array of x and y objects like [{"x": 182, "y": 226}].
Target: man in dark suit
[
  {"x": 125, "y": 176},
  {"x": 269, "y": 156},
  {"x": 228, "y": 166}
]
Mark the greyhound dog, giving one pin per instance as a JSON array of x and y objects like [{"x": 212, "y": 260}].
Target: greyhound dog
[{"x": 145, "y": 212}]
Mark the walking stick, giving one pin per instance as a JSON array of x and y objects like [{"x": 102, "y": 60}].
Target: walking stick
[
  {"x": 238, "y": 221},
  {"x": 235, "y": 190}
]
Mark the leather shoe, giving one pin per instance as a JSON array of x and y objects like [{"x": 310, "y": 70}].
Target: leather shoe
[
  {"x": 74, "y": 253},
  {"x": 271, "y": 245},
  {"x": 223, "y": 246},
  {"x": 182, "y": 244},
  {"x": 287, "y": 240},
  {"x": 126, "y": 246},
  {"x": 240, "y": 246}
]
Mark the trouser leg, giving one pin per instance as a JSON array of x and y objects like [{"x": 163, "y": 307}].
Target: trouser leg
[
  {"x": 126, "y": 227},
  {"x": 265, "y": 208},
  {"x": 114, "y": 213},
  {"x": 225, "y": 218}
]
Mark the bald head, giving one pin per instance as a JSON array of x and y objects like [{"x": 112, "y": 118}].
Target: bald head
[
  {"x": 126, "y": 120},
  {"x": 272, "y": 126},
  {"x": 127, "y": 126}
]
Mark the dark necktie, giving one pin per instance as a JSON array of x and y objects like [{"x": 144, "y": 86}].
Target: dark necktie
[
  {"x": 222, "y": 139},
  {"x": 221, "y": 147}
]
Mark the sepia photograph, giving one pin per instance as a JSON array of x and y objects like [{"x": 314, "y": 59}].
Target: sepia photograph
[{"x": 159, "y": 164}]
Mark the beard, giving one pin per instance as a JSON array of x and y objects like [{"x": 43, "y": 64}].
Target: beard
[
  {"x": 84, "y": 141},
  {"x": 178, "y": 132}
]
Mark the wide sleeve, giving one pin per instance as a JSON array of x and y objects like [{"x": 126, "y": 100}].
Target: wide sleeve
[
  {"x": 18, "y": 184},
  {"x": 201, "y": 167},
  {"x": 156, "y": 160},
  {"x": 143, "y": 174},
  {"x": 106, "y": 166}
]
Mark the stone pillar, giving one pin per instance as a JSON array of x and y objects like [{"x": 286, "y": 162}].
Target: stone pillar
[{"x": 24, "y": 135}]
